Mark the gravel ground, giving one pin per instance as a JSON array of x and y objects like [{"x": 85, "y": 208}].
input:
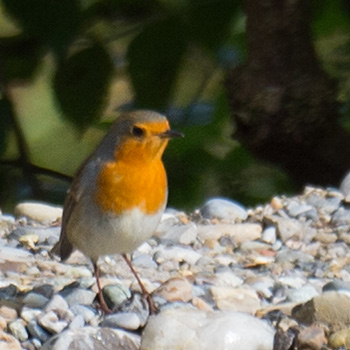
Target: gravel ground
[{"x": 276, "y": 276}]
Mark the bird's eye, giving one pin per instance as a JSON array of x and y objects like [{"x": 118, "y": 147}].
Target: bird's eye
[{"x": 138, "y": 132}]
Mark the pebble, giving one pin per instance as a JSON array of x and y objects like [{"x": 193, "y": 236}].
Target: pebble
[
  {"x": 43, "y": 213},
  {"x": 340, "y": 339},
  {"x": 125, "y": 320},
  {"x": 240, "y": 232},
  {"x": 311, "y": 338},
  {"x": 338, "y": 286},
  {"x": 50, "y": 322},
  {"x": 79, "y": 296},
  {"x": 18, "y": 330},
  {"x": 227, "y": 278},
  {"x": 8, "y": 313},
  {"x": 181, "y": 234},
  {"x": 330, "y": 308},
  {"x": 302, "y": 294},
  {"x": 178, "y": 254},
  {"x": 223, "y": 209},
  {"x": 269, "y": 235},
  {"x": 57, "y": 303},
  {"x": 37, "y": 331},
  {"x": 29, "y": 314},
  {"x": 77, "y": 322},
  {"x": 32, "y": 235},
  {"x": 3, "y": 323},
  {"x": 236, "y": 299},
  {"x": 8, "y": 342},
  {"x": 202, "y": 330},
  {"x": 115, "y": 295},
  {"x": 103, "y": 338},
  {"x": 175, "y": 289},
  {"x": 35, "y": 301},
  {"x": 345, "y": 188},
  {"x": 285, "y": 261},
  {"x": 86, "y": 312}
]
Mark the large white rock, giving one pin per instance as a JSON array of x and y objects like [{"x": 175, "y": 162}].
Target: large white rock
[
  {"x": 186, "y": 329},
  {"x": 41, "y": 212}
]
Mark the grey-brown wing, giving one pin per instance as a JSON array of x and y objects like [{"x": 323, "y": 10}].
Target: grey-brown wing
[{"x": 63, "y": 247}]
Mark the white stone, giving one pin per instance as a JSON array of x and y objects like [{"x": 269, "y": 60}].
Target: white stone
[
  {"x": 240, "y": 232},
  {"x": 240, "y": 299},
  {"x": 223, "y": 209},
  {"x": 269, "y": 235},
  {"x": 96, "y": 338},
  {"x": 227, "y": 279},
  {"x": 188, "y": 329},
  {"x": 41, "y": 212},
  {"x": 177, "y": 254},
  {"x": 57, "y": 303},
  {"x": 51, "y": 322}
]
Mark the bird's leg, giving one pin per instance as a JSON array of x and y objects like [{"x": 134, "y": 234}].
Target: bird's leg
[
  {"x": 143, "y": 288},
  {"x": 103, "y": 304}
]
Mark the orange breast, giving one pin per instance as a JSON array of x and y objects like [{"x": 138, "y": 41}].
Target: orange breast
[{"x": 122, "y": 186}]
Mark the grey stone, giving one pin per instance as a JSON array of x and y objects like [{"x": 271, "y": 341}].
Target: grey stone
[
  {"x": 37, "y": 331},
  {"x": 91, "y": 338},
  {"x": 87, "y": 312},
  {"x": 43, "y": 234},
  {"x": 303, "y": 294},
  {"x": 80, "y": 296},
  {"x": 296, "y": 209},
  {"x": 125, "y": 320},
  {"x": 341, "y": 217},
  {"x": 337, "y": 286},
  {"x": 181, "y": 234},
  {"x": 144, "y": 261},
  {"x": 293, "y": 256},
  {"x": 77, "y": 322},
  {"x": 35, "y": 301},
  {"x": 46, "y": 290},
  {"x": 115, "y": 294},
  {"x": 138, "y": 305}
]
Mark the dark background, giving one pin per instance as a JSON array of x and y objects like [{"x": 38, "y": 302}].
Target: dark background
[{"x": 260, "y": 88}]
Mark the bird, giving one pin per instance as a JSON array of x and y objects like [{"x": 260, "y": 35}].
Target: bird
[{"x": 119, "y": 193}]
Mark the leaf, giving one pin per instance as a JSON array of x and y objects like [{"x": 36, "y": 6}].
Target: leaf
[
  {"x": 209, "y": 21},
  {"x": 81, "y": 85},
  {"x": 154, "y": 57},
  {"x": 329, "y": 16},
  {"x": 20, "y": 57},
  {"x": 54, "y": 22},
  {"x": 129, "y": 9}
]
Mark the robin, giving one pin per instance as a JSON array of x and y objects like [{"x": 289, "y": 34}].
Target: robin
[{"x": 119, "y": 193}]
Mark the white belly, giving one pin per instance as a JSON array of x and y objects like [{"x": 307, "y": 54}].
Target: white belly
[{"x": 110, "y": 234}]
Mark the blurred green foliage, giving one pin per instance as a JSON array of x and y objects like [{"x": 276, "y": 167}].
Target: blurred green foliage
[{"x": 93, "y": 58}]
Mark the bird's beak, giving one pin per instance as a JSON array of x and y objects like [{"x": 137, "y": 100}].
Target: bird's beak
[{"x": 169, "y": 134}]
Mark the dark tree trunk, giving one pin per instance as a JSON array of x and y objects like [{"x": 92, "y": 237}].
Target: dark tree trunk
[{"x": 283, "y": 104}]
